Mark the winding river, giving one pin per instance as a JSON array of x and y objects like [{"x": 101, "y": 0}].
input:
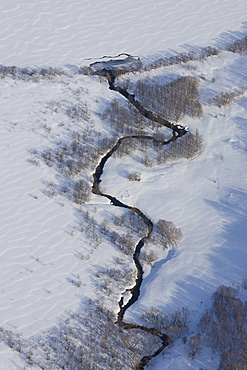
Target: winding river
[{"x": 177, "y": 131}]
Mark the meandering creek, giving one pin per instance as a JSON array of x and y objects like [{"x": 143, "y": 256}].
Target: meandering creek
[{"x": 177, "y": 131}]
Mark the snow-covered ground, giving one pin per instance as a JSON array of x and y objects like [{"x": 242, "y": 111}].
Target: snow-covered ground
[
  {"x": 205, "y": 196},
  {"x": 58, "y": 32}
]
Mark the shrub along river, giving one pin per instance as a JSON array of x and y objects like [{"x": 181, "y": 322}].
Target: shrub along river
[{"x": 104, "y": 69}]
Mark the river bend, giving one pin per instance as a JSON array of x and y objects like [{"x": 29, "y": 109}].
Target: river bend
[{"x": 177, "y": 131}]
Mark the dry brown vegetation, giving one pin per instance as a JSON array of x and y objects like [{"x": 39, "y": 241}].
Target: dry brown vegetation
[
  {"x": 134, "y": 176},
  {"x": 169, "y": 232},
  {"x": 85, "y": 340},
  {"x": 170, "y": 101},
  {"x": 91, "y": 340},
  {"x": 238, "y": 46},
  {"x": 226, "y": 98},
  {"x": 224, "y": 329},
  {"x": 174, "y": 325},
  {"x": 82, "y": 192},
  {"x": 30, "y": 74},
  {"x": 125, "y": 119},
  {"x": 180, "y": 58},
  {"x": 186, "y": 147}
]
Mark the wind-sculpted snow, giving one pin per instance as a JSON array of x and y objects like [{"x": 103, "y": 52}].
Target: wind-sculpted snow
[
  {"x": 45, "y": 255},
  {"x": 59, "y": 32}
]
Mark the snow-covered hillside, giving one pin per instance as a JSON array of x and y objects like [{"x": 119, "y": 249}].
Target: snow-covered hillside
[{"x": 58, "y": 251}]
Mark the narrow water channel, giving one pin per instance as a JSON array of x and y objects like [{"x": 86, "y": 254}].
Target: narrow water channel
[{"x": 177, "y": 131}]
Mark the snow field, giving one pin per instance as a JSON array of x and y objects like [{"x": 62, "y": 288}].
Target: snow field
[
  {"x": 54, "y": 33},
  {"x": 205, "y": 196}
]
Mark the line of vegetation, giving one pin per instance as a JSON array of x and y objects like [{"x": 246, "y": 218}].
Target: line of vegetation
[
  {"x": 179, "y": 58},
  {"x": 171, "y": 101},
  {"x": 238, "y": 46},
  {"x": 226, "y": 98},
  {"x": 31, "y": 74}
]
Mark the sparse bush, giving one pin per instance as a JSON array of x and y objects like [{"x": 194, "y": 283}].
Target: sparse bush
[
  {"x": 92, "y": 229},
  {"x": 114, "y": 237},
  {"x": 125, "y": 119},
  {"x": 149, "y": 257},
  {"x": 205, "y": 321},
  {"x": 126, "y": 244},
  {"x": 127, "y": 147},
  {"x": 29, "y": 74},
  {"x": 119, "y": 220},
  {"x": 185, "y": 147},
  {"x": 84, "y": 341},
  {"x": 174, "y": 325},
  {"x": 244, "y": 283},
  {"x": 189, "y": 145},
  {"x": 115, "y": 280},
  {"x": 134, "y": 176},
  {"x": 222, "y": 298},
  {"x": 202, "y": 54},
  {"x": 153, "y": 318},
  {"x": 170, "y": 101},
  {"x": 132, "y": 222},
  {"x": 79, "y": 112},
  {"x": 85, "y": 70},
  {"x": 226, "y": 98},
  {"x": 104, "y": 227},
  {"x": 194, "y": 345},
  {"x": 223, "y": 328},
  {"x": 47, "y": 157},
  {"x": 238, "y": 46},
  {"x": 81, "y": 192},
  {"x": 208, "y": 51},
  {"x": 75, "y": 282},
  {"x": 147, "y": 161},
  {"x": 172, "y": 235}
]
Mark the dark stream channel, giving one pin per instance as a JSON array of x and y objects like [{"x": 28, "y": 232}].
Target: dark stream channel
[{"x": 177, "y": 131}]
